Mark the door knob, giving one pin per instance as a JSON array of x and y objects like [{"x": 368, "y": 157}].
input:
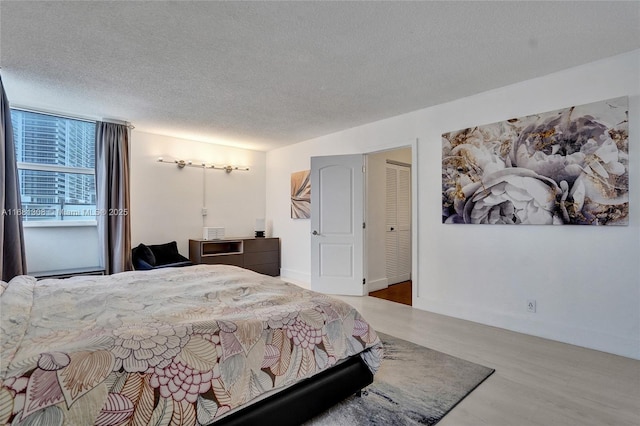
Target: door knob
[{"x": 315, "y": 233}]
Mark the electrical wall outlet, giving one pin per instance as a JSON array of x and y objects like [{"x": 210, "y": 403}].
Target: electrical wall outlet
[
  {"x": 531, "y": 305},
  {"x": 204, "y": 211}
]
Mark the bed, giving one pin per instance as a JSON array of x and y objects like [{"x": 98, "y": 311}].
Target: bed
[{"x": 199, "y": 345}]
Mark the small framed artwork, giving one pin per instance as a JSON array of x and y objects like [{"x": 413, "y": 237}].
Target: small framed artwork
[{"x": 301, "y": 195}]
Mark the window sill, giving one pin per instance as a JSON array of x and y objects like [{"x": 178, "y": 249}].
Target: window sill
[
  {"x": 59, "y": 223},
  {"x": 67, "y": 273}
]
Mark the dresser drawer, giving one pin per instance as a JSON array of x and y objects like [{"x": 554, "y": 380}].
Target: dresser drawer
[
  {"x": 262, "y": 244},
  {"x": 272, "y": 269},
  {"x": 262, "y": 257},
  {"x": 227, "y": 259}
]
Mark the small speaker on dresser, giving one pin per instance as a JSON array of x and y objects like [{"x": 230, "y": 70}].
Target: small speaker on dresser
[
  {"x": 260, "y": 228},
  {"x": 213, "y": 233}
]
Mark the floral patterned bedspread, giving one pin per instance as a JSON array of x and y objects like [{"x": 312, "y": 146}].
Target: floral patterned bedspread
[{"x": 179, "y": 346}]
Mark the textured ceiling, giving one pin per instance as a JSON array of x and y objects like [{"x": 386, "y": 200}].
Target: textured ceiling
[{"x": 265, "y": 74}]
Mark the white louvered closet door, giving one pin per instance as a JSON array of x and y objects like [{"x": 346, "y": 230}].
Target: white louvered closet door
[{"x": 398, "y": 219}]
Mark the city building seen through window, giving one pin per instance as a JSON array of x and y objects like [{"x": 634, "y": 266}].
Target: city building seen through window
[{"x": 56, "y": 167}]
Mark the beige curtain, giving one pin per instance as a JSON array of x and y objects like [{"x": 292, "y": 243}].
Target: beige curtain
[
  {"x": 12, "y": 259},
  {"x": 112, "y": 191}
]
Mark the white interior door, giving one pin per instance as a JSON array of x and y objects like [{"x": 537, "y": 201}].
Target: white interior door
[
  {"x": 391, "y": 234},
  {"x": 398, "y": 220},
  {"x": 337, "y": 217}
]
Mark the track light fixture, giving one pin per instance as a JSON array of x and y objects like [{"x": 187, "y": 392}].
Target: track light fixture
[{"x": 202, "y": 165}]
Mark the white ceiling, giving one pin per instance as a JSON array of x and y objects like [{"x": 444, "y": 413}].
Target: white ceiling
[{"x": 265, "y": 74}]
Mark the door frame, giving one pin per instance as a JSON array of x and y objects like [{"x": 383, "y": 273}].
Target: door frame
[{"x": 415, "y": 201}]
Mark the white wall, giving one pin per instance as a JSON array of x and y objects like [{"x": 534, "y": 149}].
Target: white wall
[
  {"x": 586, "y": 280},
  {"x": 50, "y": 248},
  {"x": 166, "y": 202}
]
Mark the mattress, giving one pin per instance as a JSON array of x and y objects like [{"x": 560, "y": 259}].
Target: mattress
[{"x": 180, "y": 346}]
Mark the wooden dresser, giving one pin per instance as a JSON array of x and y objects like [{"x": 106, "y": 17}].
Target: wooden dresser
[{"x": 257, "y": 254}]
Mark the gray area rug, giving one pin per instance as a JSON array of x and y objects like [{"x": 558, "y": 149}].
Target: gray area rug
[{"x": 414, "y": 386}]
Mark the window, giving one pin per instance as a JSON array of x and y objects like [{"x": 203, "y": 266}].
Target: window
[{"x": 56, "y": 166}]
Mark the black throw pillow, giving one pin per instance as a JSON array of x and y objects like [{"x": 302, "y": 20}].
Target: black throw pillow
[
  {"x": 166, "y": 253},
  {"x": 145, "y": 254}
]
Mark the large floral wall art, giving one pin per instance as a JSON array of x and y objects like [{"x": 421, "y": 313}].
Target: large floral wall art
[{"x": 565, "y": 167}]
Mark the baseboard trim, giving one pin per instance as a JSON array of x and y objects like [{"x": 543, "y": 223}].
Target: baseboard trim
[
  {"x": 577, "y": 336},
  {"x": 296, "y": 277},
  {"x": 376, "y": 285}
]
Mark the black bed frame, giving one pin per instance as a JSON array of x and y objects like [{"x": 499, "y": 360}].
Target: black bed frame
[{"x": 306, "y": 399}]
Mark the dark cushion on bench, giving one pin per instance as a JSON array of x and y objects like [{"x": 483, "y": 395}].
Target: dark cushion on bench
[{"x": 158, "y": 256}]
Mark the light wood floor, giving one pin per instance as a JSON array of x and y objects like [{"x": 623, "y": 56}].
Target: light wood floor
[{"x": 537, "y": 381}]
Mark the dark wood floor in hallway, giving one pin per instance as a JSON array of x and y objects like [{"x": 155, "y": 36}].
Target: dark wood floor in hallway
[{"x": 400, "y": 293}]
